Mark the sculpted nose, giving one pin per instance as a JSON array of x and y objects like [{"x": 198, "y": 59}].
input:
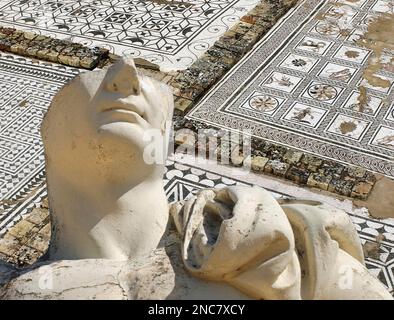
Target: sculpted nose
[{"x": 123, "y": 78}]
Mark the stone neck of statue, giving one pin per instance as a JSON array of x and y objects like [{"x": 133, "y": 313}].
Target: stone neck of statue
[{"x": 106, "y": 200}]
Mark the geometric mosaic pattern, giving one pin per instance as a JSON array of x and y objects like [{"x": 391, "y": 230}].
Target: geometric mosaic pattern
[
  {"x": 383, "y": 265},
  {"x": 303, "y": 86},
  {"x": 26, "y": 91},
  {"x": 170, "y": 33}
]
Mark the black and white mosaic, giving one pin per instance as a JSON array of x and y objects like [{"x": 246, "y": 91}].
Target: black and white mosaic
[
  {"x": 304, "y": 86},
  {"x": 170, "y": 33},
  {"x": 26, "y": 91}
]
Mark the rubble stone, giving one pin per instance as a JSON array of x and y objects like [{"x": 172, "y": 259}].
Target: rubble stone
[
  {"x": 258, "y": 163},
  {"x": 319, "y": 181},
  {"x": 298, "y": 175},
  {"x": 276, "y": 168}
]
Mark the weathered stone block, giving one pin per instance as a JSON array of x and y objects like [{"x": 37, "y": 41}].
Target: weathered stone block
[
  {"x": 38, "y": 216},
  {"x": 320, "y": 181},
  {"x": 88, "y": 62},
  {"x": 242, "y": 27},
  {"x": 46, "y": 231},
  {"x": 298, "y": 175},
  {"x": 42, "y": 54},
  {"x": 29, "y": 35},
  {"x": 43, "y": 39},
  {"x": 230, "y": 41},
  {"x": 39, "y": 242},
  {"x": 5, "y": 44},
  {"x": 205, "y": 72},
  {"x": 72, "y": 61},
  {"x": 292, "y": 156},
  {"x": 258, "y": 163},
  {"x": 258, "y": 30},
  {"x": 25, "y": 256},
  {"x": 331, "y": 168},
  {"x": 311, "y": 162},
  {"x": 355, "y": 172},
  {"x": 342, "y": 186},
  {"x": 9, "y": 245},
  {"x": 225, "y": 57},
  {"x": 189, "y": 93},
  {"x": 182, "y": 104},
  {"x": 252, "y": 37},
  {"x": 370, "y": 178},
  {"x": 249, "y": 18},
  {"x": 32, "y": 51},
  {"x": 276, "y": 168},
  {"x": 16, "y": 34},
  {"x": 19, "y": 48}
]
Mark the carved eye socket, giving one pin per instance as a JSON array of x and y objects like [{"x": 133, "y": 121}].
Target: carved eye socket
[
  {"x": 215, "y": 212},
  {"x": 211, "y": 224}
]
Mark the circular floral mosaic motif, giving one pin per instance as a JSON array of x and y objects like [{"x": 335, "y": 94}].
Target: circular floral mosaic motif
[
  {"x": 322, "y": 92},
  {"x": 328, "y": 29},
  {"x": 299, "y": 62},
  {"x": 264, "y": 103}
]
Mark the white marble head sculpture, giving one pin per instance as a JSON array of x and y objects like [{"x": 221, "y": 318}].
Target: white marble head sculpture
[
  {"x": 106, "y": 200},
  {"x": 269, "y": 249}
]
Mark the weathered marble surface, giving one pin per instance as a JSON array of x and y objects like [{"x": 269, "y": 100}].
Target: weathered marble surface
[
  {"x": 159, "y": 276},
  {"x": 106, "y": 199},
  {"x": 270, "y": 250}
]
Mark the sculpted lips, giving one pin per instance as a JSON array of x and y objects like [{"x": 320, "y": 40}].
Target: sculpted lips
[
  {"x": 121, "y": 105},
  {"x": 120, "y": 111}
]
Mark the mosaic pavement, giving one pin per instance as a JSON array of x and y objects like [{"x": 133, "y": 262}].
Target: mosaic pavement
[
  {"x": 172, "y": 34},
  {"x": 309, "y": 92},
  {"x": 26, "y": 90}
]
